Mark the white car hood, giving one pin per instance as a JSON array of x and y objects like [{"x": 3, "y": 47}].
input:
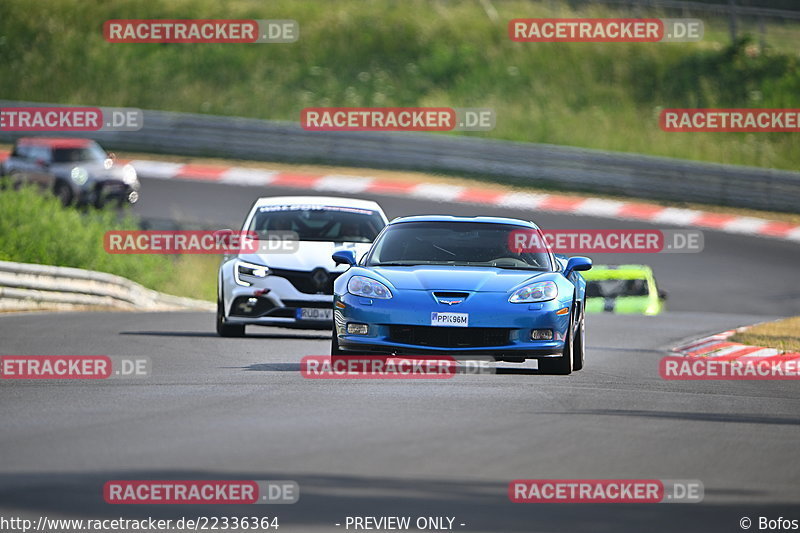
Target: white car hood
[{"x": 309, "y": 255}]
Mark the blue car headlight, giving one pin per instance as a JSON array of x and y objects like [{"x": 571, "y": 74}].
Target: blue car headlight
[
  {"x": 540, "y": 291},
  {"x": 362, "y": 286},
  {"x": 242, "y": 271}
]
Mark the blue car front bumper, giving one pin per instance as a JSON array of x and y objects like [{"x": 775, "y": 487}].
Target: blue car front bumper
[{"x": 403, "y": 325}]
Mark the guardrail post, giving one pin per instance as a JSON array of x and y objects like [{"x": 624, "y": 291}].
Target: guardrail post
[{"x": 732, "y": 19}]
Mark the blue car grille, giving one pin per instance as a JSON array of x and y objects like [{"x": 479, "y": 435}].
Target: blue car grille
[{"x": 444, "y": 337}]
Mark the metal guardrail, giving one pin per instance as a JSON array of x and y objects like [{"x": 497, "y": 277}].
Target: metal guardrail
[
  {"x": 728, "y": 8},
  {"x": 25, "y": 286},
  {"x": 737, "y": 15},
  {"x": 518, "y": 163}
]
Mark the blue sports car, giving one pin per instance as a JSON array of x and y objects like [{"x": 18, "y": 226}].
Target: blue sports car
[{"x": 459, "y": 286}]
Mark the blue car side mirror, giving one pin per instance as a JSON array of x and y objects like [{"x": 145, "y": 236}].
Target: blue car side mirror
[
  {"x": 577, "y": 264},
  {"x": 344, "y": 257}
]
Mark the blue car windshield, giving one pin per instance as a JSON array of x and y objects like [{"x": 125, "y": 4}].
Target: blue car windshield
[{"x": 454, "y": 243}]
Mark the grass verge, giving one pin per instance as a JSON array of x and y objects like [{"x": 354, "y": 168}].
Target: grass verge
[
  {"x": 36, "y": 228},
  {"x": 782, "y": 335},
  {"x": 415, "y": 53}
]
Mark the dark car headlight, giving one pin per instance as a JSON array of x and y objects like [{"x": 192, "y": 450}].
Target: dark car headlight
[
  {"x": 129, "y": 175},
  {"x": 79, "y": 175}
]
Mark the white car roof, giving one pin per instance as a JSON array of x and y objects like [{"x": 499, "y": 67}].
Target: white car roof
[{"x": 318, "y": 200}]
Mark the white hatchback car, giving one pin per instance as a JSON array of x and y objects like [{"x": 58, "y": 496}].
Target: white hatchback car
[{"x": 293, "y": 289}]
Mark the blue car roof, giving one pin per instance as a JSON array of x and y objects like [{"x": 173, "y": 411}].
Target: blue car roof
[{"x": 451, "y": 218}]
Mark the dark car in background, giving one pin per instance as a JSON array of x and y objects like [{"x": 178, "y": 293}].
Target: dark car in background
[{"x": 77, "y": 171}]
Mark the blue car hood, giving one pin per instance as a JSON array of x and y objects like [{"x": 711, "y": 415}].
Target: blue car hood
[{"x": 447, "y": 278}]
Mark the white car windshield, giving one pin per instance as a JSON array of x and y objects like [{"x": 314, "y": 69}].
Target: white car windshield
[
  {"x": 454, "y": 243},
  {"x": 318, "y": 223}
]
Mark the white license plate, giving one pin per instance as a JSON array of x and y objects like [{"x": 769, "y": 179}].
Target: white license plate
[
  {"x": 311, "y": 313},
  {"x": 450, "y": 319}
]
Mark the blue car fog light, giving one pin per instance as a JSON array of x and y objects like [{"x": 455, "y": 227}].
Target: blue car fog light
[
  {"x": 357, "y": 329},
  {"x": 541, "y": 334}
]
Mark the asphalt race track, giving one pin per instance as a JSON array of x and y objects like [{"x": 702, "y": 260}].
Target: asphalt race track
[{"x": 239, "y": 409}]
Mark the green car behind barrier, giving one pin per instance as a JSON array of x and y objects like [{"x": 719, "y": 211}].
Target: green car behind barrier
[{"x": 624, "y": 289}]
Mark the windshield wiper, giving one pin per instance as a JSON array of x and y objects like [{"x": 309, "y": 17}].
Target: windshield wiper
[
  {"x": 399, "y": 263},
  {"x": 442, "y": 249},
  {"x": 491, "y": 264},
  {"x": 535, "y": 268}
]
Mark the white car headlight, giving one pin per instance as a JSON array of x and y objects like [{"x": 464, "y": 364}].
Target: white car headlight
[
  {"x": 129, "y": 175},
  {"x": 79, "y": 175},
  {"x": 242, "y": 271},
  {"x": 540, "y": 291},
  {"x": 369, "y": 288}
]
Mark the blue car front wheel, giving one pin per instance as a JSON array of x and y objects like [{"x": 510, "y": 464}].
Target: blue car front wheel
[
  {"x": 579, "y": 346},
  {"x": 335, "y": 344},
  {"x": 562, "y": 365}
]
